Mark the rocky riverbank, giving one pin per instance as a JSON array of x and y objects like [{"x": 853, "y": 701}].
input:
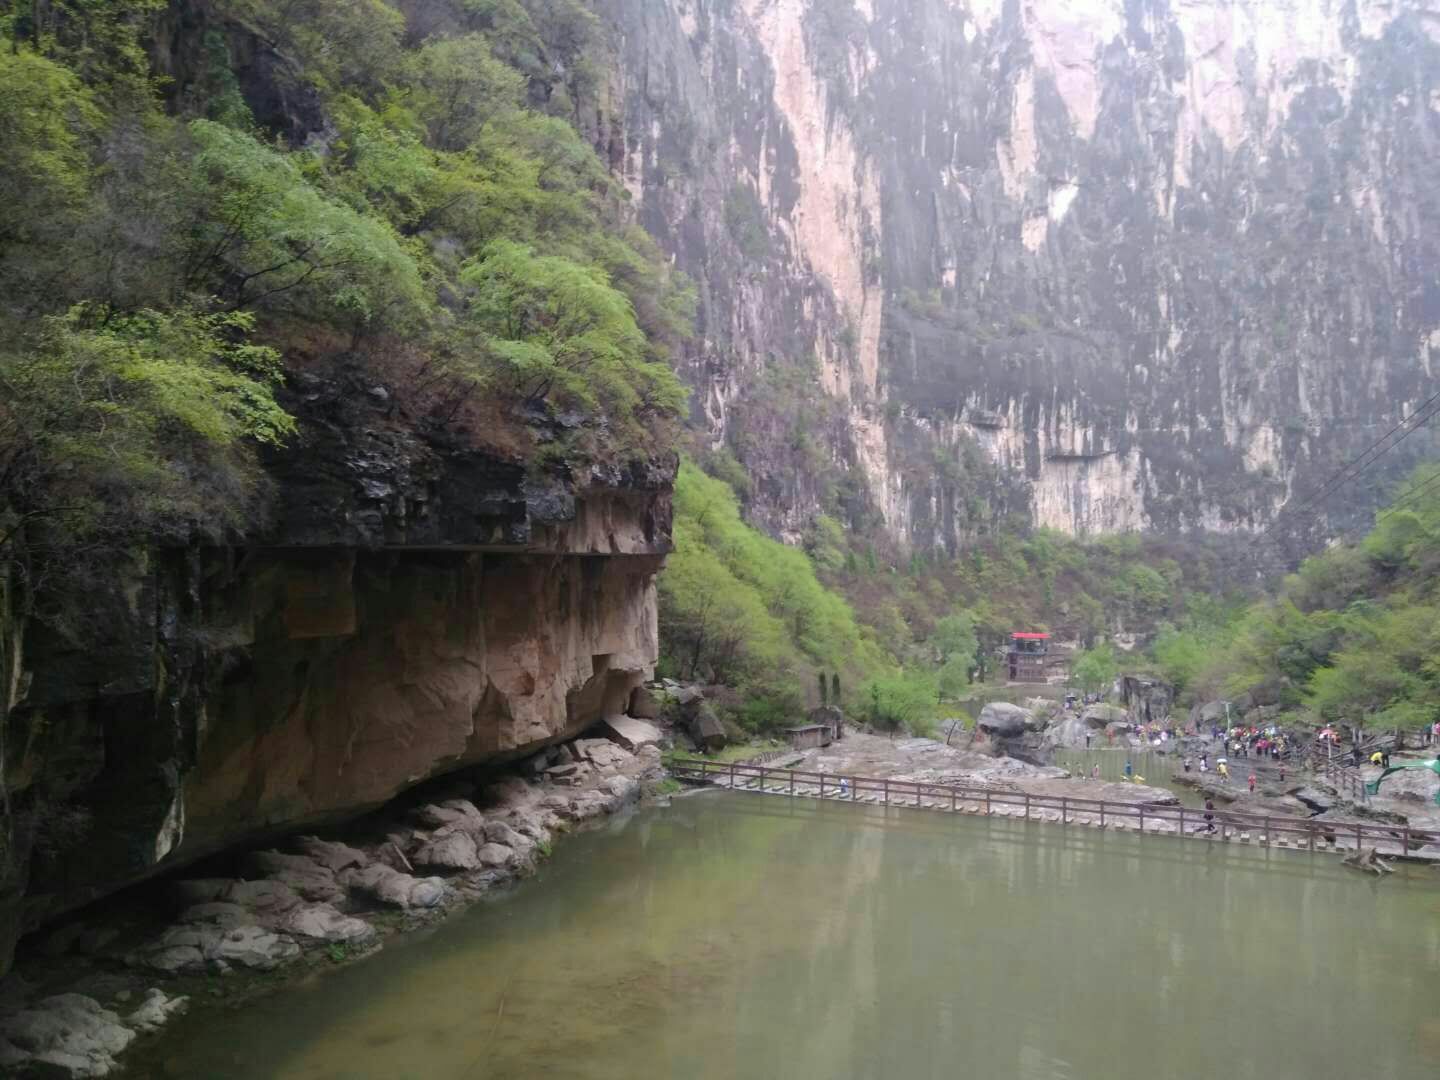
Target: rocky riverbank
[
  {"x": 931, "y": 761},
  {"x": 93, "y": 986}
]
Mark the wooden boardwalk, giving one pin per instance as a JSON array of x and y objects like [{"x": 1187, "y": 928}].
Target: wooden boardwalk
[{"x": 1224, "y": 825}]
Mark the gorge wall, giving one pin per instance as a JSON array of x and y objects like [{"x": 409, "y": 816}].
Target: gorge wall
[
  {"x": 1118, "y": 264},
  {"x": 416, "y": 608}
]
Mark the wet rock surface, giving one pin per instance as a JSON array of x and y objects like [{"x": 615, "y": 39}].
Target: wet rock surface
[{"x": 306, "y": 900}]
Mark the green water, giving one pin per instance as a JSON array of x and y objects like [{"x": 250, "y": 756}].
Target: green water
[
  {"x": 1155, "y": 769},
  {"x": 743, "y": 936}
]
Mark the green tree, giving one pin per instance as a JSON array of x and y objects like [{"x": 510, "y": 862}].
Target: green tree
[
  {"x": 1095, "y": 669},
  {"x": 266, "y": 237},
  {"x": 906, "y": 700},
  {"x": 559, "y": 332}
]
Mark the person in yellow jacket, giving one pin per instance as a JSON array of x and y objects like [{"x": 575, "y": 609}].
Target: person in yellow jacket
[
  {"x": 1377, "y": 758},
  {"x": 1224, "y": 770}
]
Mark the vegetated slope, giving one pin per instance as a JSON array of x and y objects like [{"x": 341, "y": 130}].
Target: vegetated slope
[
  {"x": 196, "y": 198},
  {"x": 1352, "y": 636},
  {"x": 905, "y": 635}
]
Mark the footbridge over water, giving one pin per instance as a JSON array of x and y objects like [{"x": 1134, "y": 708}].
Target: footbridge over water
[{"x": 1219, "y": 825}]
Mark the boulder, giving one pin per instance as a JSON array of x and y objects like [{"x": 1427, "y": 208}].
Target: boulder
[
  {"x": 495, "y": 855},
  {"x": 1068, "y": 733},
  {"x": 1101, "y": 715},
  {"x": 261, "y": 897},
  {"x": 454, "y": 851},
  {"x": 219, "y": 914},
  {"x": 321, "y": 922},
  {"x": 643, "y": 705},
  {"x": 333, "y": 856},
  {"x": 68, "y": 1032},
  {"x": 199, "y": 890},
  {"x": 155, "y": 1011},
  {"x": 1044, "y": 709},
  {"x": 193, "y": 946},
  {"x": 459, "y": 812},
  {"x": 630, "y": 733},
  {"x": 1004, "y": 720},
  {"x": 705, "y": 727},
  {"x": 497, "y": 832},
  {"x": 302, "y": 874},
  {"x": 390, "y": 886},
  {"x": 1214, "y": 712},
  {"x": 624, "y": 788},
  {"x": 602, "y": 753}
]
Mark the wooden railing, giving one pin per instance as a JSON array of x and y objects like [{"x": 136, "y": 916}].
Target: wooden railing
[
  {"x": 1334, "y": 765},
  {"x": 955, "y": 798}
]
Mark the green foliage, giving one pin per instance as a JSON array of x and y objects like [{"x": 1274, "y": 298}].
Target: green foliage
[
  {"x": 270, "y": 238},
  {"x": 116, "y": 421},
  {"x": 908, "y": 700},
  {"x": 740, "y": 608},
  {"x": 1352, "y": 635},
  {"x": 48, "y": 120},
  {"x": 401, "y": 174},
  {"x": 1095, "y": 669},
  {"x": 562, "y": 333}
]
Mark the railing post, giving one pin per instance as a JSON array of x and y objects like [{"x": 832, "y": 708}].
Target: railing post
[
  {"x": 1310, "y": 835},
  {"x": 792, "y": 783},
  {"x": 1102, "y": 813},
  {"x": 822, "y": 785},
  {"x": 1405, "y": 841},
  {"x": 732, "y": 776},
  {"x": 1359, "y": 843},
  {"x": 887, "y": 791},
  {"x": 1269, "y": 839},
  {"x": 953, "y": 796},
  {"x": 1141, "y": 808},
  {"x": 1027, "y": 806},
  {"x": 1182, "y": 819},
  {"x": 1064, "y": 810},
  {"x": 987, "y": 802}
]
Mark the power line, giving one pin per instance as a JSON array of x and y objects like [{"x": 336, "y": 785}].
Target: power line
[
  {"x": 1403, "y": 502},
  {"x": 1343, "y": 476}
]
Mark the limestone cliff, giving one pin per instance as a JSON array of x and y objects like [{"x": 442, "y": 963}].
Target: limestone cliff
[
  {"x": 1127, "y": 264},
  {"x": 417, "y": 607}
]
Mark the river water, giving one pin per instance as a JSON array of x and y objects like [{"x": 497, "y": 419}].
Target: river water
[
  {"x": 1151, "y": 769},
  {"x": 734, "y": 935}
]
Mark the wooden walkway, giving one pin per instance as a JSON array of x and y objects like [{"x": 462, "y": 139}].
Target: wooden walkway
[{"x": 1394, "y": 841}]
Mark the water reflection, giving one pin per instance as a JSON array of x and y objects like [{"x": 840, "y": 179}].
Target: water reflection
[{"x": 735, "y": 935}]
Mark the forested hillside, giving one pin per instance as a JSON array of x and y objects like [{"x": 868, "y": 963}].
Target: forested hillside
[
  {"x": 1353, "y": 636},
  {"x": 909, "y": 631},
  {"x": 201, "y": 199}
]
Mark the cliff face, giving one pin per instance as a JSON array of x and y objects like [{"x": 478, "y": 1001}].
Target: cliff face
[
  {"x": 1126, "y": 264},
  {"x": 416, "y": 608}
]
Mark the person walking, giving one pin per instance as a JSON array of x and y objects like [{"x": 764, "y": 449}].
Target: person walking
[
  {"x": 1252, "y": 783},
  {"x": 1209, "y": 814},
  {"x": 1088, "y": 736},
  {"x": 1095, "y": 771},
  {"x": 1129, "y": 771},
  {"x": 1223, "y": 769}
]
